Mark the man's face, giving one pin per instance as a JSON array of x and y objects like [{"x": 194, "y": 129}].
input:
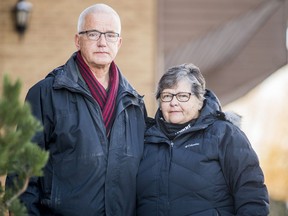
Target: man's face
[{"x": 99, "y": 53}]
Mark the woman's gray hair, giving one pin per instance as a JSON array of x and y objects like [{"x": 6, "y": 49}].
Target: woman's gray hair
[
  {"x": 97, "y": 8},
  {"x": 177, "y": 73}
]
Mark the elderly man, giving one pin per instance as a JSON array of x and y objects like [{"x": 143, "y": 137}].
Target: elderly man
[{"x": 93, "y": 124}]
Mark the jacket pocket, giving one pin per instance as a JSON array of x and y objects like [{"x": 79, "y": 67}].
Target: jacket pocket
[{"x": 77, "y": 181}]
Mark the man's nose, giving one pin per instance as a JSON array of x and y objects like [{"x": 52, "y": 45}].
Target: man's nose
[{"x": 102, "y": 40}]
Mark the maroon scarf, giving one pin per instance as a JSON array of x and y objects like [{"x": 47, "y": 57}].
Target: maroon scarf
[{"x": 106, "y": 100}]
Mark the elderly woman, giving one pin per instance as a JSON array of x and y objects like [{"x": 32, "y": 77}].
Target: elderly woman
[{"x": 196, "y": 161}]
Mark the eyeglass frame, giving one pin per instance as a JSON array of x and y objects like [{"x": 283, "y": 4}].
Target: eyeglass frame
[
  {"x": 100, "y": 34},
  {"x": 176, "y": 95}
]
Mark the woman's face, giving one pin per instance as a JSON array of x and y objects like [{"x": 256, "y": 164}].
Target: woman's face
[{"x": 180, "y": 112}]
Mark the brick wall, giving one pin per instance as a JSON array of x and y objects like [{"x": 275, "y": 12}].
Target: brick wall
[{"x": 49, "y": 41}]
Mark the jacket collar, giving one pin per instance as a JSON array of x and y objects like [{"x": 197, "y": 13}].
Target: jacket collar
[{"x": 69, "y": 76}]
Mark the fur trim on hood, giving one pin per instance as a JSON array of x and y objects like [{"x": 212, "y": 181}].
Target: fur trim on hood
[{"x": 230, "y": 116}]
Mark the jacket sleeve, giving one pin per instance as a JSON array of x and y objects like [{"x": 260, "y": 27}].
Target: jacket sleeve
[
  {"x": 243, "y": 174},
  {"x": 30, "y": 197},
  {"x": 37, "y": 97}
]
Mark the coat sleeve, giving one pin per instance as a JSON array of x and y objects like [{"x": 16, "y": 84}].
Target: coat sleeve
[
  {"x": 37, "y": 97},
  {"x": 243, "y": 174}
]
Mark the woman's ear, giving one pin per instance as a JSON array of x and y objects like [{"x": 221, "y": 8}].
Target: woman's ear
[{"x": 200, "y": 105}]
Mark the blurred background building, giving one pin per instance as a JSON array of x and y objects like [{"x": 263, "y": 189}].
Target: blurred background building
[{"x": 240, "y": 46}]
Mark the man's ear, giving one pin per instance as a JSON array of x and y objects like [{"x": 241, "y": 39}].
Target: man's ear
[
  {"x": 119, "y": 42},
  {"x": 77, "y": 41}
]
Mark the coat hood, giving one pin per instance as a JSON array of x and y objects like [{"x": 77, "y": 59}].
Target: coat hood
[{"x": 212, "y": 107}]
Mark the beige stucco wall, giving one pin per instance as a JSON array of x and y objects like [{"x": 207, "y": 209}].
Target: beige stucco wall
[{"x": 49, "y": 41}]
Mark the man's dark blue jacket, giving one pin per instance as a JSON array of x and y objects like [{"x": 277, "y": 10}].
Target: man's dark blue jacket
[{"x": 87, "y": 173}]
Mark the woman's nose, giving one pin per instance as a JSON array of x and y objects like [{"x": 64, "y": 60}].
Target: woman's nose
[{"x": 174, "y": 101}]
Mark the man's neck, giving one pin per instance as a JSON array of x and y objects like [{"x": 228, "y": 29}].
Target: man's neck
[{"x": 102, "y": 75}]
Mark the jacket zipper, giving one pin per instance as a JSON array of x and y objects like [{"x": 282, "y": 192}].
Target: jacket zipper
[{"x": 170, "y": 162}]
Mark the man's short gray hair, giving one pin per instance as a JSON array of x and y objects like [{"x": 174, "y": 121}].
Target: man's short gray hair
[{"x": 96, "y": 8}]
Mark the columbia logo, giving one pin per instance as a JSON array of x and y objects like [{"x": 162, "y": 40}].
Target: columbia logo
[{"x": 191, "y": 145}]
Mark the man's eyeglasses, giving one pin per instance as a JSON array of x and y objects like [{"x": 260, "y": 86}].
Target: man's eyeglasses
[
  {"x": 95, "y": 35},
  {"x": 180, "y": 96}
]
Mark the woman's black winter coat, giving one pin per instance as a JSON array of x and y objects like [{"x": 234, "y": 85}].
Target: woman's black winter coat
[{"x": 209, "y": 168}]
